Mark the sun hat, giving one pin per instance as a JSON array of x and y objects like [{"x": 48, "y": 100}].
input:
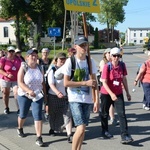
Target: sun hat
[
  {"x": 11, "y": 48},
  {"x": 80, "y": 40},
  {"x": 114, "y": 50},
  {"x": 30, "y": 51}
]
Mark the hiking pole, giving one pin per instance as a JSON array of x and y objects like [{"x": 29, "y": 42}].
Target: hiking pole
[{"x": 89, "y": 57}]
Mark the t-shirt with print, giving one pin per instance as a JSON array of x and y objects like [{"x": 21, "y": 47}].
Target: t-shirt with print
[
  {"x": 114, "y": 78},
  {"x": 10, "y": 67},
  {"x": 81, "y": 94}
]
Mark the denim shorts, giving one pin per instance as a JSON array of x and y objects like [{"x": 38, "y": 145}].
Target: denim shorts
[
  {"x": 80, "y": 112},
  {"x": 5, "y": 83}
]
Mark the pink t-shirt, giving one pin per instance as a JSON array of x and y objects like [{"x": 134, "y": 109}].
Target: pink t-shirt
[
  {"x": 146, "y": 76},
  {"x": 114, "y": 76},
  {"x": 10, "y": 67}
]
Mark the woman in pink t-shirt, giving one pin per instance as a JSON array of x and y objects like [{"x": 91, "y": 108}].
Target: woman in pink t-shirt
[
  {"x": 144, "y": 77},
  {"x": 113, "y": 75},
  {"x": 9, "y": 66}
]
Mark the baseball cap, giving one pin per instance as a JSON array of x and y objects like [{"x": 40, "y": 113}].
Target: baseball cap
[
  {"x": 73, "y": 50},
  {"x": 61, "y": 55},
  {"x": 17, "y": 50},
  {"x": 45, "y": 50},
  {"x": 115, "y": 50},
  {"x": 30, "y": 51},
  {"x": 107, "y": 50},
  {"x": 10, "y": 48},
  {"x": 80, "y": 40}
]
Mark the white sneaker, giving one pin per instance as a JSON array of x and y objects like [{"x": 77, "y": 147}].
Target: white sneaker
[{"x": 146, "y": 108}]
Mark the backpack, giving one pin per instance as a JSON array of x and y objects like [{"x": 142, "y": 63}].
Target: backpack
[
  {"x": 73, "y": 65},
  {"x": 46, "y": 78},
  {"x": 121, "y": 64}
]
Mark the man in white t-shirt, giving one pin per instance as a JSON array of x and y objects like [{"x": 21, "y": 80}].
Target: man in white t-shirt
[{"x": 80, "y": 90}]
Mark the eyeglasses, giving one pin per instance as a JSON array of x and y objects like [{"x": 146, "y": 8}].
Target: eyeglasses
[
  {"x": 116, "y": 55},
  {"x": 11, "y": 51}
]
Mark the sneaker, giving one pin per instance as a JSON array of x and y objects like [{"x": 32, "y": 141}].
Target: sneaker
[
  {"x": 52, "y": 132},
  {"x": 6, "y": 111},
  {"x": 113, "y": 122},
  {"x": 126, "y": 139},
  {"x": 39, "y": 141},
  {"x": 69, "y": 139},
  {"x": 20, "y": 132},
  {"x": 146, "y": 108},
  {"x": 107, "y": 135}
]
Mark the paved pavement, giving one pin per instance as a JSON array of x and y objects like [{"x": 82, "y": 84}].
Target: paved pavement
[{"x": 138, "y": 121}]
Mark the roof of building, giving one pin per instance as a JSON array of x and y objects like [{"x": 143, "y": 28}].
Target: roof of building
[
  {"x": 4, "y": 20},
  {"x": 146, "y": 28}
]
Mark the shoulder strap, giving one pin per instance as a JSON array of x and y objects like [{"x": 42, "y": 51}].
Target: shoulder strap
[
  {"x": 122, "y": 65},
  {"x": 73, "y": 66},
  {"x": 54, "y": 69},
  {"x": 109, "y": 66},
  {"x": 25, "y": 66}
]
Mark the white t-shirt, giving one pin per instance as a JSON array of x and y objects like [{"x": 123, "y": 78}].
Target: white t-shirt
[
  {"x": 81, "y": 94},
  {"x": 59, "y": 84}
]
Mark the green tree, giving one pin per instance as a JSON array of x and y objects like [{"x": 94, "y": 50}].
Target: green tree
[
  {"x": 112, "y": 12},
  {"x": 96, "y": 41},
  {"x": 12, "y": 9}
]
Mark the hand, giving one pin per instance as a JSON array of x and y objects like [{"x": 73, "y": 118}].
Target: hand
[
  {"x": 31, "y": 93},
  {"x": 128, "y": 97},
  {"x": 91, "y": 83},
  {"x": 10, "y": 76},
  {"x": 135, "y": 83},
  {"x": 96, "y": 107},
  {"x": 113, "y": 97},
  {"x": 60, "y": 95}
]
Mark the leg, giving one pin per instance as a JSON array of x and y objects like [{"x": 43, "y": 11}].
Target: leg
[
  {"x": 78, "y": 137},
  {"x": 15, "y": 89},
  {"x": 111, "y": 112},
  {"x": 6, "y": 92},
  {"x": 105, "y": 105}
]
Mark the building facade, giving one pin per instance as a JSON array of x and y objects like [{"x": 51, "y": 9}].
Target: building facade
[{"x": 136, "y": 36}]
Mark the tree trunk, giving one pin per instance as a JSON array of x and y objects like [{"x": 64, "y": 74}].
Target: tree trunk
[
  {"x": 18, "y": 32},
  {"x": 107, "y": 31},
  {"x": 39, "y": 31}
]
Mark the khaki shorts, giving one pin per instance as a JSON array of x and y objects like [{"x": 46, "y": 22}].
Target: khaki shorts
[{"x": 5, "y": 84}]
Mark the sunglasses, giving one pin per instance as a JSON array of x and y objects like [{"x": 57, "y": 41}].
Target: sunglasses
[
  {"x": 116, "y": 55},
  {"x": 11, "y": 51}
]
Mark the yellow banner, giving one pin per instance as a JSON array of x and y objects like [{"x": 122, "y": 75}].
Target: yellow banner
[{"x": 92, "y": 6}]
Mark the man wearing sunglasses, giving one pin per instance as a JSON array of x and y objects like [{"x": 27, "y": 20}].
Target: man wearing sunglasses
[{"x": 113, "y": 76}]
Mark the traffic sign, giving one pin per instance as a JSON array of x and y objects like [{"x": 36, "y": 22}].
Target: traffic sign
[
  {"x": 53, "y": 32},
  {"x": 92, "y": 6}
]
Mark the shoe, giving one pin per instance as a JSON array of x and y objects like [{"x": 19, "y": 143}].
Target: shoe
[
  {"x": 126, "y": 139},
  {"x": 52, "y": 132},
  {"x": 113, "y": 122},
  {"x": 20, "y": 132},
  {"x": 39, "y": 141},
  {"x": 146, "y": 108},
  {"x": 69, "y": 139},
  {"x": 107, "y": 135},
  {"x": 6, "y": 111}
]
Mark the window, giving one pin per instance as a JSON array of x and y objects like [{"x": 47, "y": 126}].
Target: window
[
  {"x": 134, "y": 34},
  {"x": 5, "y": 31},
  {"x": 146, "y": 34},
  {"x": 140, "y": 34},
  {"x": 141, "y": 41},
  {"x": 134, "y": 41}
]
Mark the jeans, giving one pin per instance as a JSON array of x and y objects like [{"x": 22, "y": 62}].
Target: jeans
[
  {"x": 146, "y": 89},
  {"x": 25, "y": 104},
  {"x": 119, "y": 105}
]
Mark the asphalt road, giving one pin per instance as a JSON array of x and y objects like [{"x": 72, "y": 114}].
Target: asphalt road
[{"x": 138, "y": 120}]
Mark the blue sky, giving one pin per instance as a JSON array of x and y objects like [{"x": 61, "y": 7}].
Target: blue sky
[{"x": 137, "y": 15}]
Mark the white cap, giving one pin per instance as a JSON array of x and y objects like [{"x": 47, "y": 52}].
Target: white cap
[
  {"x": 17, "y": 50},
  {"x": 11, "y": 48},
  {"x": 45, "y": 50},
  {"x": 114, "y": 50}
]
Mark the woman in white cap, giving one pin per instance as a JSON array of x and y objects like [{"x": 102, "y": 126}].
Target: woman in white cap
[
  {"x": 9, "y": 66},
  {"x": 106, "y": 59},
  {"x": 113, "y": 76}
]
